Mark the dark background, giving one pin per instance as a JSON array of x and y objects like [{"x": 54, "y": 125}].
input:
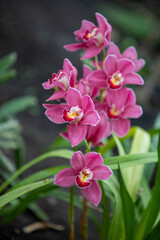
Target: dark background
[{"x": 37, "y": 31}]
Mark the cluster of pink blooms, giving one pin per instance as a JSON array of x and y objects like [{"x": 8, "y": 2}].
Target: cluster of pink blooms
[{"x": 96, "y": 105}]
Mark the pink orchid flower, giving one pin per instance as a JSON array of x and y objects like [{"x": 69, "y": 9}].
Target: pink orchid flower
[
  {"x": 116, "y": 73},
  {"x": 79, "y": 112},
  {"x": 62, "y": 80},
  {"x": 92, "y": 38},
  {"x": 83, "y": 85},
  {"x": 84, "y": 172},
  {"x": 121, "y": 106},
  {"x": 129, "y": 53}
]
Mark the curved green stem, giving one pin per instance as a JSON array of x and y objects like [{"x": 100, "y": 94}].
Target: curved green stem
[
  {"x": 96, "y": 62},
  {"x": 103, "y": 56},
  {"x": 87, "y": 146}
]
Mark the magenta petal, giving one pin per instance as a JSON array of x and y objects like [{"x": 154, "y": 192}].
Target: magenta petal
[
  {"x": 65, "y": 178},
  {"x": 125, "y": 66},
  {"x": 93, "y": 193},
  {"x": 134, "y": 111},
  {"x": 57, "y": 95},
  {"x": 101, "y": 172},
  {"x": 74, "y": 47},
  {"x": 93, "y": 159},
  {"x": 54, "y": 112},
  {"x": 110, "y": 64},
  {"x": 87, "y": 104},
  {"x": 113, "y": 50},
  {"x": 102, "y": 22},
  {"x": 90, "y": 118},
  {"x": 98, "y": 78},
  {"x": 117, "y": 97},
  {"x": 120, "y": 127},
  {"x": 76, "y": 133},
  {"x": 130, "y": 53},
  {"x": 139, "y": 64},
  {"x": 91, "y": 52},
  {"x": 77, "y": 161},
  {"x": 74, "y": 97},
  {"x": 133, "y": 78},
  {"x": 86, "y": 71}
]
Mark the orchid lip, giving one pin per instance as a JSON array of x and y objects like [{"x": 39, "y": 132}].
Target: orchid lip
[
  {"x": 62, "y": 77},
  {"x": 115, "y": 81},
  {"x": 113, "y": 112},
  {"x": 83, "y": 179},
  {"x": 74, "y": 114}
]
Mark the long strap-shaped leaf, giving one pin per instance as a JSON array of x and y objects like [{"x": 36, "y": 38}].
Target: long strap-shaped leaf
[
  {"x": 57, "y": 153},
  {"x": 131, "y": 160},
  {"x": 10, "y": 196},
  {"x": 151, "y": 212}
]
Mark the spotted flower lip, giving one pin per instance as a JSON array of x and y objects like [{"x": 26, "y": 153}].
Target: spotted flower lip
[
  {"x": 116, "y": 74},
  {"x": 84, "y": 172},
  {"x": 79, "y": 112},
  {"x": 130, "y": 53},
  {"x": 92, "y": 38},
  {"x": 62, "y": 80}
]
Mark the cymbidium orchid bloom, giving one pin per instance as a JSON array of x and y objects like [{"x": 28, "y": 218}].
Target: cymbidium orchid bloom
[
  {"x": 92, "y": 38},
  {"x": 84, "y": 172},
  {"x": 83, "y": 85},
  {"x": 116, "y": 73},
  {"x": 62, "y": 80},
  {"x": 79, "y": 112},
  {"x": 121, "y": 106},
  {"x": 129, "y": 53}
]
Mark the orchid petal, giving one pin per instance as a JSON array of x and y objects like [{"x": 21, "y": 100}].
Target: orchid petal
[
  {"x": 93, "y": 193},
  {"x": 54, "y": 112},
  {"x": 98, "y": 78},
  {"x": 101, "y": 172},
  {"x": 77, "y": 161},
  {"x": 93, "y": 159},
  {"x": 65, "y": 178},
  {"x": 76, "y": 133},
  {"x": 133, "y": 78},
  {"x": 110, "y": 64},
  {"x": 120, "y": 127},
  {"x": 133, "y": 111},
  {"x": 125, "y": 66},
  {"x": 74, "y": 97}
]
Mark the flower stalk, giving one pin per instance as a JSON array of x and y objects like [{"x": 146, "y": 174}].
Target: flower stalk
[
  {"x": 71, "y": 214},
  {"x": 84, "y": 220}
]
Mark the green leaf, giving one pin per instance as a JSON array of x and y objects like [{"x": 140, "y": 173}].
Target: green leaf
[
  {"x": 132, "y": 175},
  {"x": 131, "y": 160},
  {"x": 128, "y": 209},
  {"x": 7, "y": 62},
  {"x": 150, "y": 214},
  {"x": 56, "y": 153},
  {"x": 7, "y": 75},
  {"x": 120, "y": 148},
  {"x": 49, "y": 172},
  {"x": 116, "y": 226},
  {"x": 155, "y": 233},
  {"x": 6, "y": 164},
  {"x": 10, "y": 196},
  {"x": 105, "y": 215},
  {"x": 17, "y": 105}
]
